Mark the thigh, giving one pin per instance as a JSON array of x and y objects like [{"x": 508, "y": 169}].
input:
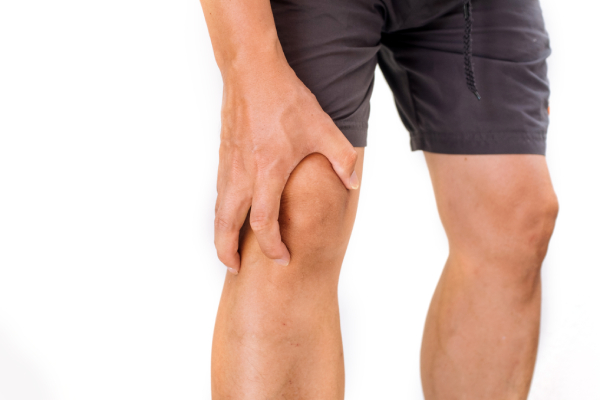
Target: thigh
[{"x": 332, "y": 46}]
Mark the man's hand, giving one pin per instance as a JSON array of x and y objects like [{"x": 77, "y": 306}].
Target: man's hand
[{"x": 270, "y": 122}]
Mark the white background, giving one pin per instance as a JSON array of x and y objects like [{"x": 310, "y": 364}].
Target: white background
[{"x": 109, "y": 283}]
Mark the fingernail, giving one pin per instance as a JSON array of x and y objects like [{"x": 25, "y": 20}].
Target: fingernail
[
  {"x": 282, "y": 261},
  {"x": 233, "y": 271},
  {"x": 354, "y": 180}
]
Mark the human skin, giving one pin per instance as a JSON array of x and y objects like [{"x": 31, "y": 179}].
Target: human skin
[
  {"x": 277, "y": 331},
  {"x": 277, "y": 334},
  {"x": 481, "y": 333},
  {"x": 270, "y": 121}
]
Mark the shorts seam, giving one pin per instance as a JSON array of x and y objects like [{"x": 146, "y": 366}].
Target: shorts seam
[
  {"x": 355, "y": 132},
  {"x": 412, "y": 100},
  {"x": 488, "y": 136},
  {"x": 351, "y": 124},
  {"x": 488, "y": 143}
]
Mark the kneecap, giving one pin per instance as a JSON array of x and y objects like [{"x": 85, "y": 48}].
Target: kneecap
[{"x": 314, "y": 215}]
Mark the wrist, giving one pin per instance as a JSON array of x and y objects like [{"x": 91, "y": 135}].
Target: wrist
[{"x": 248, "y": 58}]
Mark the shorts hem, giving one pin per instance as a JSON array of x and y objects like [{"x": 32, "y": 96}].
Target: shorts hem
[
  {"x": 355, "y": 132},
  {"x": 534, "y": 143}
]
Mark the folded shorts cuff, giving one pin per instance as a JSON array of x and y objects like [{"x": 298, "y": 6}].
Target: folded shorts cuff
[
  {"x": 490, "y": 143},
  {"x": 355, "y": 132}
]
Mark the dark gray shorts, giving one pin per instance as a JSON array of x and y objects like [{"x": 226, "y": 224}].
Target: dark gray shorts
[{"x": 334, "y": 46}]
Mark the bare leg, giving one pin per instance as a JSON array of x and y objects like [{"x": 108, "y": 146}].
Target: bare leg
[
  {"x": 481, "y": 334},
  {"x": 277, "y": 334}
]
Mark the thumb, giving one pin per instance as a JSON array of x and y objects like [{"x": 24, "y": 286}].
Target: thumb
[{"x": 341, "y": 155}]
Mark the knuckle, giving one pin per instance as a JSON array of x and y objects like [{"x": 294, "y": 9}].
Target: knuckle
[
  {"x": 223, "y": 224},
  {"x": 259, "y": 221},
  {"x": 271, "y": 168}
]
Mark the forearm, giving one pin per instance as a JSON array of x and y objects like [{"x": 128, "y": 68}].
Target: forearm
[{"x": 242, "y": 32}]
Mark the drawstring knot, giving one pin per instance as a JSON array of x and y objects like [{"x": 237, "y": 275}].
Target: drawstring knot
[{"x": 468, "y": 52}]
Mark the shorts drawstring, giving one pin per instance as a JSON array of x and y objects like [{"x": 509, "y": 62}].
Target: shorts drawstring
[{"x": 467, "y": 52}]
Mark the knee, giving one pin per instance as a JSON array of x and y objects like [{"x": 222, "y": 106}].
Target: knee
[
  {"x": 535, "y": 225},
  {"x": 316, "y": 212},
  {"x": 315, "y": 219},
  {"x": 510, "y": 239}
]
